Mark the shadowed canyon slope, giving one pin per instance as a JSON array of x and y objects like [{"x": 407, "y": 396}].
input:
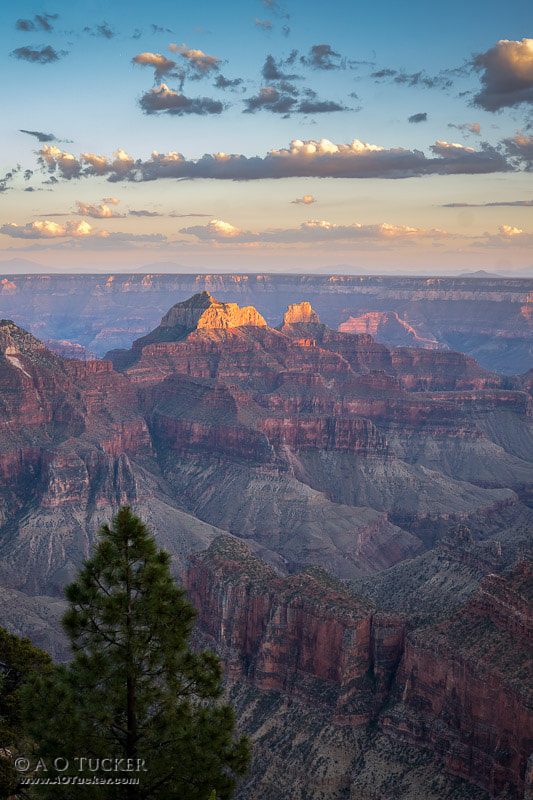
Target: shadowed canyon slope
[{"x": 488, "y": 318}]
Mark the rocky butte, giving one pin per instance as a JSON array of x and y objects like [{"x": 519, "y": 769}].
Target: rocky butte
[{"x": 306, "y": 449}]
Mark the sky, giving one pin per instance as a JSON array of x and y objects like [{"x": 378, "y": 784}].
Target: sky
[{"x": 267, "y": 136}]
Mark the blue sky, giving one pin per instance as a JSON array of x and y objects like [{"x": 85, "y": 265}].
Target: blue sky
[{"x": 438, "y": 180}]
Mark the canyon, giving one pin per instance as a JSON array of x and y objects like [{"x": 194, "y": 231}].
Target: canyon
[
  {"x": 459, "y": 684},
  {"x": 351, "y": 519},
  {"x": 488, "y": 318}
]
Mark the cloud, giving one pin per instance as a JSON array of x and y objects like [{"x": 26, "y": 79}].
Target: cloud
[
  {"x": 520, "y": 148},
  {"x": 8, "y": 177},
  {"x": 40, "y": 22},
  {"x": 321, "y": 56},
  {"x": 272, "y": 72},
  {"x": 41, "y": 137},
  {"x": 101, "y": 211},
  {"x": 46, "y": 55},
  {"x": 306, "y": 200},
  {"x": 309, "y": 158},
  {"x": 169, "y": 101},
  {"x": 46, "y": 229},
  {"x": 143, "y": 213},
  {"x": 162, "y": 66},
  {"x": 507, "y": 236},
  {"x": 319, "y": 107},
  {"x": 264, "y": 25},
  {"x": 283, "y": 100},
  {"x": 421, "y": 117},
  {"x": 159, "y": 29},
  {"x": 420, "y": 79},
  {"x": 467, "y": 127},
  {"x": 114, "y": 201},
  {"x": 226, "y": 83},
  {"x": 271, "y": 99},
  {"x": 200, "y": 64},
  {"x": 488, "y": 205},
  {"x": 276, "y": 9},
  {"x": 102, "y": 31},
  {"x": 312, "y": 231},
  {"x": 507, "y": 75}
]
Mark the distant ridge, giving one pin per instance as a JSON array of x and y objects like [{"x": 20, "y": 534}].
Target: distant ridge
[{"x": 480, "y": 273}]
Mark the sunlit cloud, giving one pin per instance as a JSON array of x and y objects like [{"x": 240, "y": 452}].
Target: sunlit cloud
[
  {"x": 102, "y": 211},
  {"x": 161, "y": 65},
  {"x": 315, "y": 230},
  {"x": 507, "y": 74},
  {"x": 467, "y": 127},
  {"x": 303, "y": 158},
  {"x": 306, "y": 200},
  {"x": 199, "y": 62},
  {"x": 165, "y": 100},
  {"x": 46, "y": 229}
]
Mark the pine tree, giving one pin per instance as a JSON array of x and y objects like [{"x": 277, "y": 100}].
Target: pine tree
[
  {"x": 19, "y": 659},
  {"x": 134, "y": 690}
]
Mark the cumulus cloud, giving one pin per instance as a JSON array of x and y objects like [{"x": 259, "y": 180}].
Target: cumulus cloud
[
  {"x": 315, "y": 230},
  {"x": 46, "y": 229},
  {"x": 306, "y": 200},
  {"x": 44, "y": 55},
  {"x": 507, "y": 74},
  {"x": 168, "y": 101},
  {"x": 421, "y": 117},
  {"x": 40, "y": 136},
  {"x": 163, "y": 66},
  {"x": 102, "y": 211},
  {"x": 200, "y": 64},
  {"x": 467, "y": 127},
  {"x": 310, "y": 158},
  {"x": 40, "y": 22}
]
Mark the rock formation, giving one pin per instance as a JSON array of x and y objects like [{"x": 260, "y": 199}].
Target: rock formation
[{"x": 459, "y": 686}]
